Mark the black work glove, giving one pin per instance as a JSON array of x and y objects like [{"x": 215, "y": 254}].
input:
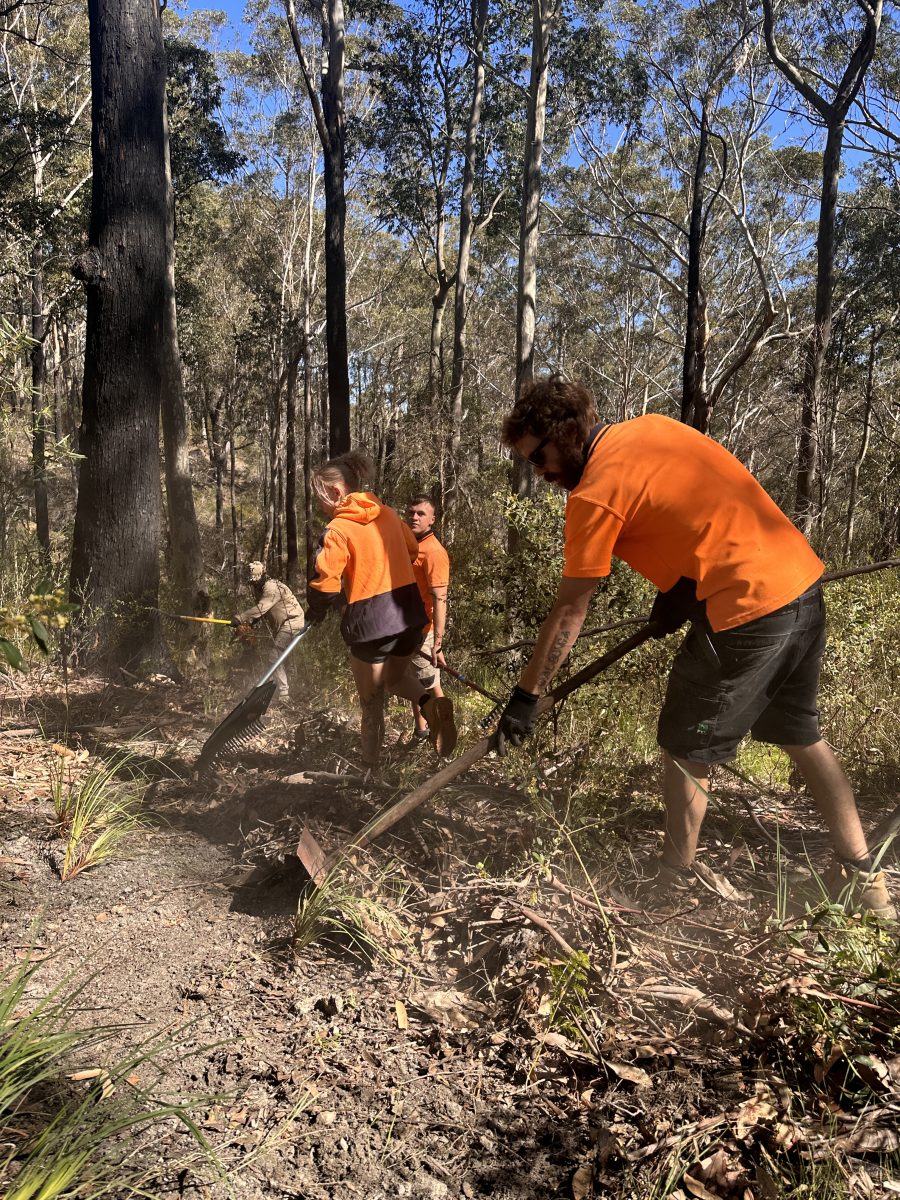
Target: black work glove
[
  {"x": 314, "y": 616},
  {"x": 674, "y": 608},
  {"x": 517, "y": 720},
  {"x": 236, "y": 622}
]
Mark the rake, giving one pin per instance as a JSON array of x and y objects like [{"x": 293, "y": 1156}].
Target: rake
[{"x": 245, "y": 720}]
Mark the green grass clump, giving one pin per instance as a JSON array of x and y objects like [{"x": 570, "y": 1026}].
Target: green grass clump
[
  {"x": 95, "y": 813},
  {"x": 68, "y": 1133}
]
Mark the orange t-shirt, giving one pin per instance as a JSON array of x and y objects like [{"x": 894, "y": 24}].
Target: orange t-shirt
[
  {"x": 671, "y": 503},
  {"x": 432, "y": 569}
]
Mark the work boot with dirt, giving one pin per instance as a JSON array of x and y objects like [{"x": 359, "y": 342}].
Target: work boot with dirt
[
  {"x": 438, "y": 712},
  {"x": 859, "y": 891}
]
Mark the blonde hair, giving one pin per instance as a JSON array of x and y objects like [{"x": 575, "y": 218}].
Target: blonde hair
[{"x": 354, "y": 469}]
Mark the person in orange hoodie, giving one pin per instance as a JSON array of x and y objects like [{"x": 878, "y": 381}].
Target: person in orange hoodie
[
  {"x": 365, "y": 558},
  {"x": 687, "y": 515}
]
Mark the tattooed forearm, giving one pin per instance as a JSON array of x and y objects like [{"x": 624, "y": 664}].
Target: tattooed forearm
[{"x": 559, "y": 648}]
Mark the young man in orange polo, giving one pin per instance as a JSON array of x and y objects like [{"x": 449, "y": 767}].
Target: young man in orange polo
[
  {"x": 432, "y": 571},
  {"x": 688, "y": 516}
]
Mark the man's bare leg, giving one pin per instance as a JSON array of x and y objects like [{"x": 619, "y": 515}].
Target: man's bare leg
[
  {"x": 685, "y": 787},
  {"x": 831, "y": 790}
]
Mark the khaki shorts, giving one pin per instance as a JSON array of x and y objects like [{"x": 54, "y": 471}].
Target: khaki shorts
[{"x": 420, "y": 668}]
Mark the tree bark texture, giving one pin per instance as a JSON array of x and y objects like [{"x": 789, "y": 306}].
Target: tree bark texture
[
  {"x": 328, "y": 111},
  {"x": 466, "y": 224},
  {"x": 694, "y": 398},
  {"x": 39, "y": 400},
  {"x": 290, "y": 473},
  {"x": 186, "y": 571},
  {"x": 115, "y": 555},
  {"x": 543, "y": 16}
]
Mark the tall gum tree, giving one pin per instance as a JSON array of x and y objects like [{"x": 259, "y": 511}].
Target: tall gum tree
[
  {"x": 830, "y": 101},
  {"x": 544, "y": 17},
  {"x": 115, "y": 552},
  {"x": 328, "y": 110}
]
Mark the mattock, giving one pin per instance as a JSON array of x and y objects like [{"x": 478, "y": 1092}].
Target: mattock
[{"x": 318, "y": 863}]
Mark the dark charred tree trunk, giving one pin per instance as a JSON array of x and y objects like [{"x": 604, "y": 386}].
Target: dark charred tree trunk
[
  {"x": 309, "y": 442},
  {"x": 694, "y": 395},
  {"x": 328, "y": 110},
  {"x": 808, "y": 448},
  {"x": 115, "y": 554}
]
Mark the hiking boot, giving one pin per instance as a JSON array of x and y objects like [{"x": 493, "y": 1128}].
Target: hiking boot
[
  {"x": 859, "y": 891},
  {"x": 438, "y": 712}
]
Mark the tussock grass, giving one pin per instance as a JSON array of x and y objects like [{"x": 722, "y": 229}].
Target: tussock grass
[
  {"x": 65, "y": 1133},
  {"x": 336, "y": 909},
  {"x": 96, "y": 812}
]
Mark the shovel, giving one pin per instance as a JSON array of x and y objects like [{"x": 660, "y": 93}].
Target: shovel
[{"x": 318, "y": 863}]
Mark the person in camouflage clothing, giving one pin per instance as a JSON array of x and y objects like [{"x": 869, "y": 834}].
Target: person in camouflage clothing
[{"x": 281, "y": 610}]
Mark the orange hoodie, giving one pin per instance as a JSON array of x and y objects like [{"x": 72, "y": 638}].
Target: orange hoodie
[{"x": 369, "y": 551}]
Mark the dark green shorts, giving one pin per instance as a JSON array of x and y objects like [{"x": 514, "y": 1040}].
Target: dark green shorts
[{"x": 760, "y": 678}]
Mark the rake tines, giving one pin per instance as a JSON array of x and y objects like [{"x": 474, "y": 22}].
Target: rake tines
[
  {"x": 241, "y": 725},
  {"x": 245, "y": 721}
]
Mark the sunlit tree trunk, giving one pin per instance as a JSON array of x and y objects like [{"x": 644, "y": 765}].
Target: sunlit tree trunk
[{"x": 544, "y": 13}]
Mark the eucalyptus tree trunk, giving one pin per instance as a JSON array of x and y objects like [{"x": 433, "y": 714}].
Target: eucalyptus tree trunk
[
  {"x": 544, "y": 13},
  {"x": 466, "y": 225},
  {"x": 694, "y": 395},
  {"x": 290, "y": 472},
  {"x": 115, "y": 553},
  {"x": 328, "y": 111},
  {"x": 833, "y": 113},
  {"x": 187, "y": 575},
  {"x": 39, "y": 401}
]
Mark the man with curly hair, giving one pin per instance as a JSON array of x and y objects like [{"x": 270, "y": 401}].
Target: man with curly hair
[{"x": 687, "y": 515}]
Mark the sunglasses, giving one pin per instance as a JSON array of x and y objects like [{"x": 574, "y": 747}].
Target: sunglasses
[{"x": 537, "y": 456}]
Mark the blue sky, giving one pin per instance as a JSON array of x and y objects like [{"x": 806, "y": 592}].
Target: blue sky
[{"x": 233, "y": 9}]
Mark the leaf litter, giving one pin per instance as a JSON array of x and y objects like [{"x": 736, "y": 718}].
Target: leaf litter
[{"x": 533, "y": 1030}]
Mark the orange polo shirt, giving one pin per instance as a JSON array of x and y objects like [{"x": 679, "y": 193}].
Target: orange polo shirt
[
  {"x": 432, "y": 569},
  {"x": 671, "y": 503}
]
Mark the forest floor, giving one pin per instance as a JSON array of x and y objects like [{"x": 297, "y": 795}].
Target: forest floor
[{"x": 509, "y": 1023}]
